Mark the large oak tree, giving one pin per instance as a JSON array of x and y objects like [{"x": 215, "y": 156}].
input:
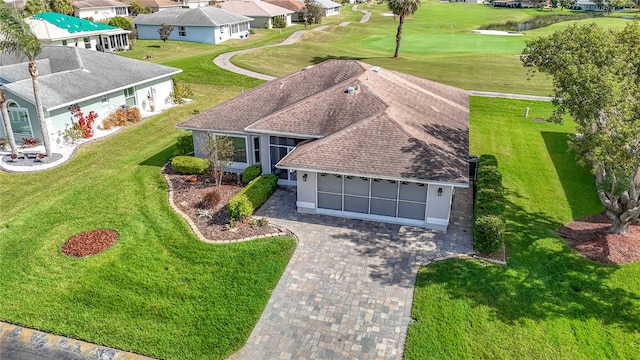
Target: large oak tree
[{"x": 596, "y": 80}]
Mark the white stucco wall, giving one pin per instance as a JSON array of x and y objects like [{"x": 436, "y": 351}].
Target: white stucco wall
[
  {"x": 439, "y": 207},
  {"x": 306, "y": 200},
  {"x": 97, "y": 13}
]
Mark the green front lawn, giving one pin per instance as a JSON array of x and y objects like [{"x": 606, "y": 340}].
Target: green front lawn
[
  {"x": 548, "y": 302},
  {"x": 159, "y": 290}
]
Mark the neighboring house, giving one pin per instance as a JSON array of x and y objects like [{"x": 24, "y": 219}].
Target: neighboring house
[
  {"x": 329, "y": 7},
  {"x": 357, "y": 141},
  {"x": 262, "y": 12},
  {"x": 192, "y": 4},
  {"x": 294, "y": 5},
  {"x": 513, "y": 4},
  {"x": 63, "y": 30},
  {"x": 99, "y": 10},
  {"x": 158, "y": 5},
  {"x": 93, "y": 80},
  {"x": 209, "y": 25}
]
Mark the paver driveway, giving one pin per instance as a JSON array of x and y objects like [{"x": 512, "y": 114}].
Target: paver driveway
[{"x": 348, "y": 289}]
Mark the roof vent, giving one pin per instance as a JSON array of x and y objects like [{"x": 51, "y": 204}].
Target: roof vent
[
  {"x": 350, "y": 90},
  {"x": 307, "y": 67},
  {"x": 376, "y": 69}
]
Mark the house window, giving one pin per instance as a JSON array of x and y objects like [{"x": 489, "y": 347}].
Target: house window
[
  {"x": 19, "y": 118},
  {"x": 122, "y": 11},
  {"x": 239, "y": 147},
  {"x": 64, "y": 42},
  {"x": 104, "y": 99},
  {"x": 87, "y": 43},
  {"x": 236, "y": 28},
  {"x": 256, "y": 149},
  {"x": 182, "y": 31},
  {"x": 279, "y": 147},
  {"x": 130, "y": 96}
]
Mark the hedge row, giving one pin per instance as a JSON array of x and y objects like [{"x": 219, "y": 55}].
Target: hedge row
[
  {"x": 252, "y": 196},
  {"x": 189, "y": 165},
  {"x": 488, "y": 213}
]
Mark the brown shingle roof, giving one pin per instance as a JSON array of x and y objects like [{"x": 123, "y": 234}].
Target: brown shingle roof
[
  {"x": 293, "y": 5},
  {"x": 394, "y": 125},
  {"x": 267, "y": 99}
]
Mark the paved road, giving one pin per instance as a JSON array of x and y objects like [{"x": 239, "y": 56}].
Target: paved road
[
  {"x": 18, "y": 343},
  {"x": 348, "y": 290}
]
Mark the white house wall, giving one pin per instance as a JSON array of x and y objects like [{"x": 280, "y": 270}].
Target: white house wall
[
  {"x": 97, "y": 14},
  {"x": 161, "y": 94},
  {"x": 306, "y": 199}
]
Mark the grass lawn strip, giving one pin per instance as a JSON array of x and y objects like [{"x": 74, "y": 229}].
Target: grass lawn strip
[{"x": 549, "y": 302}]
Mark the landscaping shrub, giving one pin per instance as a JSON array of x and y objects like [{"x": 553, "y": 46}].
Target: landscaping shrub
[
  {"x": 180, "y": 93},
  {"x": 256, "y": 193},
  {"x": 279, "y": 23},
  {"x": 487, "y": 233},
  {"x": 121, "y": 117},
  {"x": 189, "y": 165},
  {"x": 251, "y": 173},
  {"x": 184, "y": 143},
  {"x": 210, "y": 199},
  {"x": 240, "y": 207},
  {"x": 488, "y": 212}
]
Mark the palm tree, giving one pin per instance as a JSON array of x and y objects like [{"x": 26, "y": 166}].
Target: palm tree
[
  {"x": 17, "y": 38},
  {"x": 402, "y": 8},
  {"x": 7, "y": 122}
]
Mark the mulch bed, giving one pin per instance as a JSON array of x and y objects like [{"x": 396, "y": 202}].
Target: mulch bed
[
  {"x": 188, "y": 196},
  {"x": 89, "y": 242},
  {"x": 589, "y": 237}
]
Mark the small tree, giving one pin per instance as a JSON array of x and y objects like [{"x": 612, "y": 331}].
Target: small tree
[
  {"x": 137, "y": 8},
  {"x": 61, "y": 6},
  {"x": 33, "y": 7},
  {"x": 165, "y": 31},
  {"x": 279, "y": 23},
  {"x": 121, "y": 22},
  {"x": 219, "y": 150},
  {"x": 312, "y": 13},
  {"x": 402, "y": 8},
  {"x": 566, "y": 4}
]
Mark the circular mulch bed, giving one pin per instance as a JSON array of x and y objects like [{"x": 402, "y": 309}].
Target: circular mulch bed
[
  {"x": 589, "y": 237},
  {"x": 89, "y": 242}
]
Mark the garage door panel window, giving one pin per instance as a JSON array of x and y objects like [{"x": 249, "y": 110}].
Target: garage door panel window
[
  {"x": 330, "y": 183},
  {"x": 330, "y": 201},
  {"x": 383, "y": 207},
  {"x": 387, "y": 189},
  {"x": 411, "y": 210},
  {"x": 356, "y": 204},
  {"x": 356, "y": 185},
  {"x": 413, "y": 192}
]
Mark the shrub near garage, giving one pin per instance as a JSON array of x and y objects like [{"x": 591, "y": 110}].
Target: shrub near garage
[
  {"x": 189, "y": 165},
  {"x": 251, "y": 173},
  {"x": 184, "y": 144},
  {"x": 252, "y": 196},
  {"x": 488, "y": 226}
]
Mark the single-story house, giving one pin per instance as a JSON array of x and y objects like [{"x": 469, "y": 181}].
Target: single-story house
[
  {"x": 94, "y": 80},
  {"x": 62, "y": 30},
  {"x": 209, "y": 25},
  {"x": 99, "y": 10},
  {"x": 294, "y": 5},
  {"x": 514, "y": 4},
  {"x": 192, "y": 4},
  {"x": 329, "y": 7},
  {"x": 356, "y": 140},
  {"x": 262, "y": 12},
  {"x": 158, "y": 5}
]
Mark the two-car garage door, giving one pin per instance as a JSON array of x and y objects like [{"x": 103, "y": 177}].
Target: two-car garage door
[{"x": 404, "y": 202}]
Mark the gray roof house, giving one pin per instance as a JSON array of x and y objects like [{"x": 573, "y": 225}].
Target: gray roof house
[
  {"x": 329, "y": 7},
  {"x": 209, "y": 25},
  {"x": 262, "y": 12},
  {"x": 356, "y": 140},
  {"x": 99, "y": 10},
  {"x": 95, "y": 81}
]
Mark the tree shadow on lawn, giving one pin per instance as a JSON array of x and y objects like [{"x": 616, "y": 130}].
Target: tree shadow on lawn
[
  {"x": 159, "y": 159},
  {"x": 545, "y": 279},
  {"x": 581, "y": 195},
  {"x": 318, "y": 59}
]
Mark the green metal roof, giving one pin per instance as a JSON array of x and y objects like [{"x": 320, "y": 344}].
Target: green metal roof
[{"x": 72, "y": 24}]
